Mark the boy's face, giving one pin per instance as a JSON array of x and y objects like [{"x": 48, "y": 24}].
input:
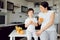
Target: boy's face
[{"x": 30, "y": 13}]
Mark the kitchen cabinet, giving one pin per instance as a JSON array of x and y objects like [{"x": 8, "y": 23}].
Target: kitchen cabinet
[{"x": 5, "y": 31}]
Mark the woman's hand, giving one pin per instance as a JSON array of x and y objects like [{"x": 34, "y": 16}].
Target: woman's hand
[{"x": 39, "y": 32}]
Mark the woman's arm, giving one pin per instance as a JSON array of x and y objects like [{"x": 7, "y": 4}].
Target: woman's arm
[{"x": 52, "y": 17}]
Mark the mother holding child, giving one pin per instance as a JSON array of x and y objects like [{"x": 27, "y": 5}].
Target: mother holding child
[{"x": 46, "y": 20}]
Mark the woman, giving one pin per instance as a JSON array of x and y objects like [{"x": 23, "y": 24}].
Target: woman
[{"x": 46, "y": 18}]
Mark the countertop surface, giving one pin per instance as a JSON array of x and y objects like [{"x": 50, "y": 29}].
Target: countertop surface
[{"x": 5, "y": 25}]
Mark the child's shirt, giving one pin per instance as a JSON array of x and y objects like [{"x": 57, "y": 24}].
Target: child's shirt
[{"x": 31, "y": 27}]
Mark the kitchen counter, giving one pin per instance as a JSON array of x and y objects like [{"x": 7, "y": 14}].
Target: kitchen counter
[
  {"x": 11, "y": 24},
  {"x": 5, "y": 30}
]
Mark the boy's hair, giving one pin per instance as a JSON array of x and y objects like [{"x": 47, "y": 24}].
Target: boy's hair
[{"x": 30, "y": 9}]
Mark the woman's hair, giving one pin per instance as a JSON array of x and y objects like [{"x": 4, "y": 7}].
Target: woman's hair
[
  {"x": 45, "y": 4},
  {"x": 30, "y": 9}
]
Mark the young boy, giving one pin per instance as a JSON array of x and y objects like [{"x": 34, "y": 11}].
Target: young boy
[{"x": 30, "y": 24}]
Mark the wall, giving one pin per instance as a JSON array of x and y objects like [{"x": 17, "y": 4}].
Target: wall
[
  {"x": 29, "y": 5},
  {"x": 36, "y": 9},
  {"x": 59, "y": 10},
  {"x": 16, "y": 16},
  {"x": 18, "y": 3}
]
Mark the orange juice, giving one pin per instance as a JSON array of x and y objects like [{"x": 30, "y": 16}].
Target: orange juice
[
  {"x": 41, "y": 20},
  {"x": 21, "y": 32},
  {"x": 17, "y": 29},
  {"x": 20, "y": 28}
]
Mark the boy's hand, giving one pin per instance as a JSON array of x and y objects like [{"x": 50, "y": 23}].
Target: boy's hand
[
  {"x": 26, "y": 25},
  {"x": 30, "y": 22},
  {"x": 33, "y": 23}
]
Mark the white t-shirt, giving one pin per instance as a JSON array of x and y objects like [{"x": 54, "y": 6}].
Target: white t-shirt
[
  {"x": 46, "y": 19},
  {"x": 31, "y": 27}
]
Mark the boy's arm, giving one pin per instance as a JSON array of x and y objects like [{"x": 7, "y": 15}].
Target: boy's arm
[
  {"x": 34, "y": 23},
  {"x": 27, "y": 24}
]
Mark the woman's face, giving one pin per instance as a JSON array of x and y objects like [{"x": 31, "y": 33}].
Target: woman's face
[
  {"x": 42, "y": 9},
  {"x": 30, "y": 13}
]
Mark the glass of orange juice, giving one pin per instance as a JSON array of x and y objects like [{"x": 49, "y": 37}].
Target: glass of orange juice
[{"x": 41, "y": 20}]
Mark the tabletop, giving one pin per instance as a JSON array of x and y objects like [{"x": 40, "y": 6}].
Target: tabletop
[{"x": 15, "y": 34}]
